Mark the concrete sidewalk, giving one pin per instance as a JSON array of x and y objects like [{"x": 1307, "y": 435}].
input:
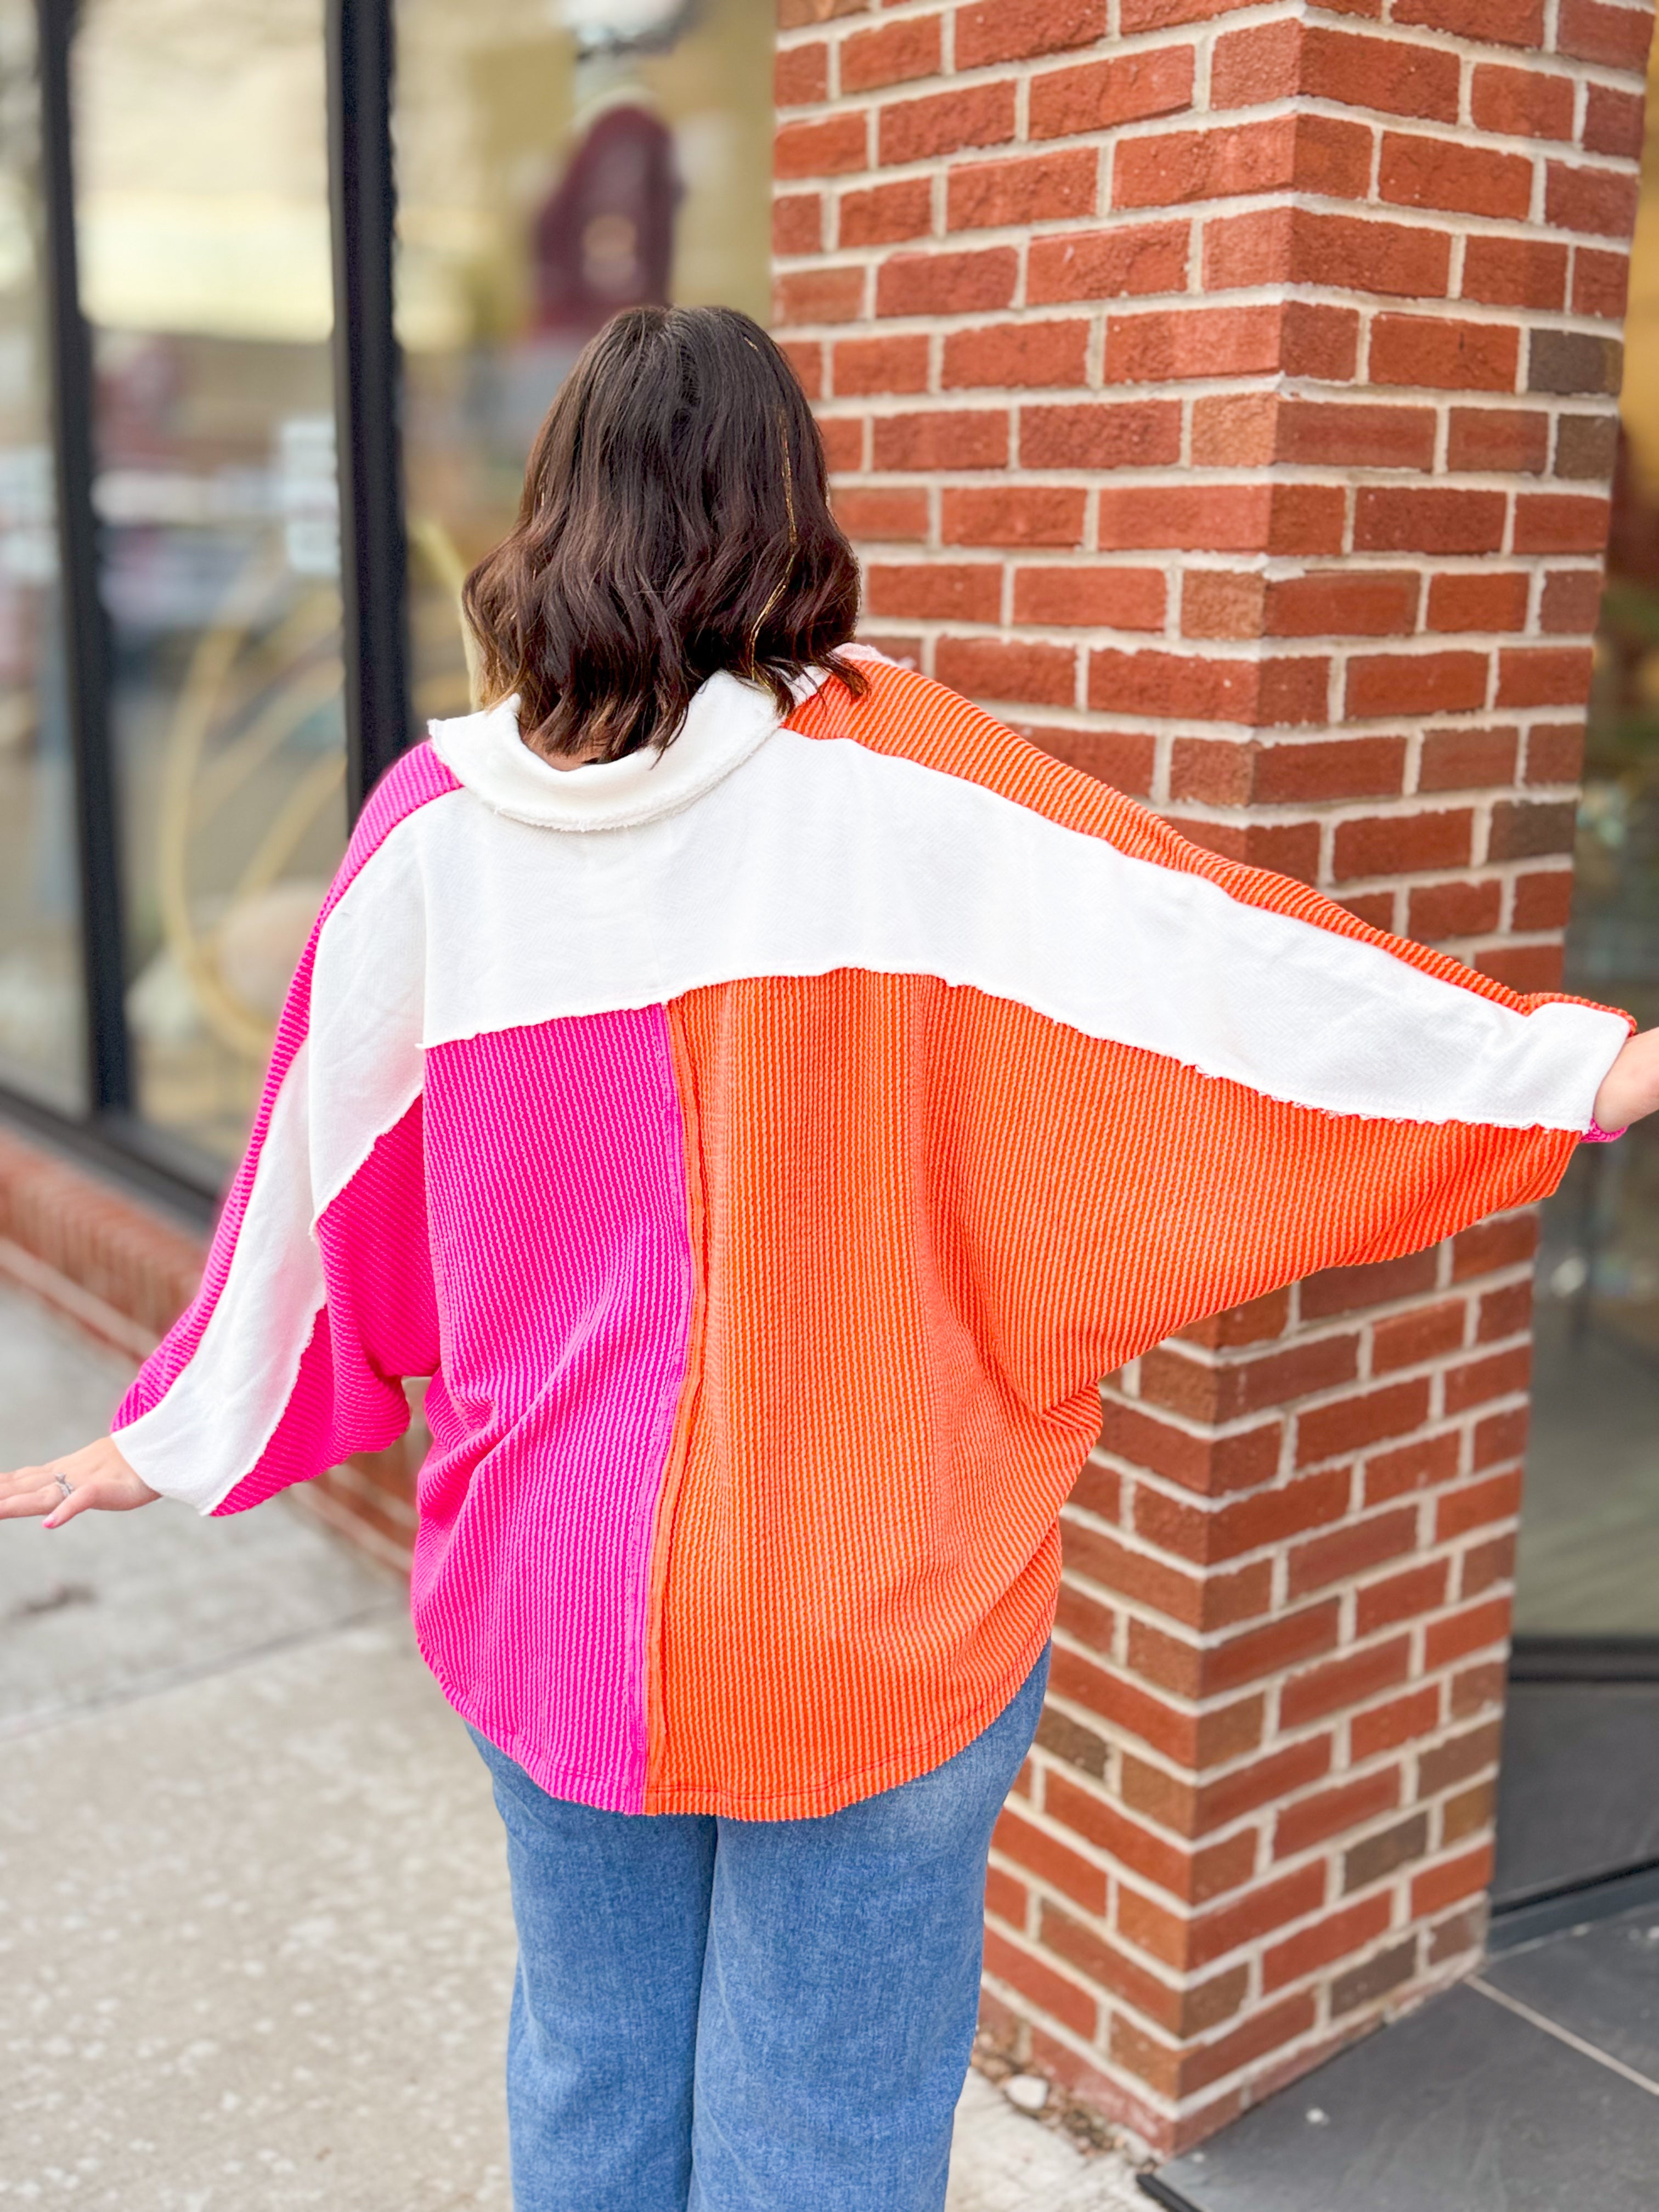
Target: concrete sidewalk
[{"x": 255, "y": 1947}]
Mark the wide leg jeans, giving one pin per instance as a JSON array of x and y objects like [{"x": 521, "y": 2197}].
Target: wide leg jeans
[{"x": 720, "y": 2015}]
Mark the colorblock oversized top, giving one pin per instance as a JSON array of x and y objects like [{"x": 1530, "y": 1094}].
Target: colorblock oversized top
[{"x": 765, "y": 1145}]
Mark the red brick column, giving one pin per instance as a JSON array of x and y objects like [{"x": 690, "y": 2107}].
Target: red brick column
[{"x": 1229, "y": 403}]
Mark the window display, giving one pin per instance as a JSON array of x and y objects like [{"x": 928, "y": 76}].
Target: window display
[
  {"x": 203, "y": 227},
  {"x": 555, "y": 163},
  {"x": 41, "y": 1048},
  {"x": 1592, "y": 1501}
]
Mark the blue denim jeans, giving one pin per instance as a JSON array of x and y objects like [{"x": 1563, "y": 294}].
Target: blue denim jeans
[{"x": 715, "y": 2015}]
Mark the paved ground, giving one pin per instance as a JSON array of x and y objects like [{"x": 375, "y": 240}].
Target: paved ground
[{"x": 254, "y": 1942}]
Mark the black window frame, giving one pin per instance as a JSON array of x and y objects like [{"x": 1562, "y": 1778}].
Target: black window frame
[{"x": 358, "y": 37}]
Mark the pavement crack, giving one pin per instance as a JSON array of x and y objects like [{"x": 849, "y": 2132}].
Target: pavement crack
[
  {"x": 16, "y": 1726},
  {"x": 1542, "y": 2022},
  {"x": 53, "y": 1601}
]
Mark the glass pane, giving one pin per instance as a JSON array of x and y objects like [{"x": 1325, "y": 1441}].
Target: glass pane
[
  {"x": 555, "y": 163},
  {"x": 202, "y": 202},
  {"x": 41, "y": 1049},
  {"x": 1591, "y": 1521}
]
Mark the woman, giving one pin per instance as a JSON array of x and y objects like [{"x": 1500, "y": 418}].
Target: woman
[{"x": 764, "y": 1097}]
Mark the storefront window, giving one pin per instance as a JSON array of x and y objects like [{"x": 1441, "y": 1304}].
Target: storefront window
[
  {"x": 555, "y": 163},
  {"x": 203, "y": 228},
  {"x": 555, "y": 160},
  {"x": 1592, "y": 1508},
  {"x": 40, "y": 994}
]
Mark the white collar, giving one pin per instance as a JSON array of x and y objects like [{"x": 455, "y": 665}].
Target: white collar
[{"x": 726, "y": 721}]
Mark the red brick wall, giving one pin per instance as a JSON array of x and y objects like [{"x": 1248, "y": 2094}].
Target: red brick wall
[
  {"x": 1224, "y": 395},
  {"x": 103, "y": 1258}
]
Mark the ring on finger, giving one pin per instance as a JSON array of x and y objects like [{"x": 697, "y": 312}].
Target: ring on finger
[{"x": 64, "y": 1484}]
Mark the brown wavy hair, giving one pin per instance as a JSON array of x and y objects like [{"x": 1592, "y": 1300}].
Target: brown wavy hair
[{"x": 675, "y": 520}]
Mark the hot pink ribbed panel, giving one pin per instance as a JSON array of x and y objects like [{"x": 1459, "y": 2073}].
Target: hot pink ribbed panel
[
  {"x": 409, "y": 783},
  {"x": 557, "y": 1177},
  {"x": 380, "y": 1322}
]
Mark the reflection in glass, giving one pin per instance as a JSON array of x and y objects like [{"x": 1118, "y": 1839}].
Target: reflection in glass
[
  {"x": 1591, "y": 1524},
  {"x": 201, "y": 216},
  {"x": 555, "y": 163},
  {"x": 40, "y": 994}
]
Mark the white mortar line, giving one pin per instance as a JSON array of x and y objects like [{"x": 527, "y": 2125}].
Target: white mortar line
[{"x": 1562, "y": 2035}]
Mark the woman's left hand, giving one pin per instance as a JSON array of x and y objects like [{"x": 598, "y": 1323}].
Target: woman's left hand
[{"x": 1630, "y": 1089}]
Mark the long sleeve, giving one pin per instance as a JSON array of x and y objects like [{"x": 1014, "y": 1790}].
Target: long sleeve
[
  {"x": 1162, "y": 1082},
  {"x": 317, "y": 1296},
  {"x": 789, "y": 1130},
  {"x": 1280, "y": 1089}
]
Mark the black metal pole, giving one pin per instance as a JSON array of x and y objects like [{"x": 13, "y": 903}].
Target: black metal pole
[
  {"x": 373, "y": 554},
  {"x": 85, "y": 627}
]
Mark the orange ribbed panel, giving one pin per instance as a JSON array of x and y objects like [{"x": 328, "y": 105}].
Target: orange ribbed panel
[
  {"x": 926, "y": 1222},
  {"x": 930, "y": 1221}
]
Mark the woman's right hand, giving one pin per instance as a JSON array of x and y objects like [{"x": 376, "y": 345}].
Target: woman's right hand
[{"x": 99, "y": 1479}]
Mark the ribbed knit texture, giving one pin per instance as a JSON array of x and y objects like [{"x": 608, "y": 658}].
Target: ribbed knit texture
[
  {"x": 380, "y": 1323},
  {"x": 934, "y": 1220},
  {"x": 766, "y": 1309},
  {"x": 558, "y": 1215}
]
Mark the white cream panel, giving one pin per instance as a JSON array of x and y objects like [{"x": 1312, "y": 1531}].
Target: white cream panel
[
  {"x": 819, "y": 853},
  {"x": 222, "y": 1410},
  {"x": 355, "y": 1076}
]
